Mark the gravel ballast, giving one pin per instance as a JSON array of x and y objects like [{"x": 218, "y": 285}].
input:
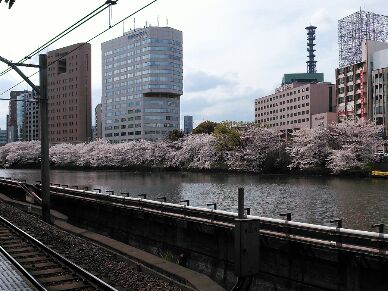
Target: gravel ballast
[{"x": 106, "y": 265}]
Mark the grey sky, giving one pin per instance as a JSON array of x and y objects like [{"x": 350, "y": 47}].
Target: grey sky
[{"x": 234, "y": 51}]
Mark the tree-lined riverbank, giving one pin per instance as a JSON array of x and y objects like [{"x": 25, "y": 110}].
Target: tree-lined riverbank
[{"x": 341, "y": 148}]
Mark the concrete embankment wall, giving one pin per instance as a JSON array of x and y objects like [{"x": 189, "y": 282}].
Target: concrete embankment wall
[{"x": 207, "y": 246}]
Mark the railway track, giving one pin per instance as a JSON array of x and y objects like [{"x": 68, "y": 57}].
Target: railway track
[{"x": 43, "y": 267}]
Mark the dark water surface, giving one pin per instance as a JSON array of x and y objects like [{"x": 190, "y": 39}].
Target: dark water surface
[{"x": 359, "y": 201}]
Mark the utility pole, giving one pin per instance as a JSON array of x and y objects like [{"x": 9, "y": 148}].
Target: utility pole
[
  {"x": 44, "y": 142},
  {"x": 42, "y": 93}
]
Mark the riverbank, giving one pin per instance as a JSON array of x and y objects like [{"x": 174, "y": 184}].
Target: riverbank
[{"x": 222, "y": 170}]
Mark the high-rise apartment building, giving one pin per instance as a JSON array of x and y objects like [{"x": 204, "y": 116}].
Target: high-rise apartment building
[
  {"x": 69, "y": 94},
  {"x": 292, "y": 106},
  {"x": 360, "y": 87},
  {"x": 187, "y": 124},
  {"x": 363, "y": 59},
  {"x": 98, "y": 114},
  {"x": 142, "y": 73},
  {"x": 12, "y": 119},
  {"x": 22, "y": 104},
  {"x": 32, "y": 120}
]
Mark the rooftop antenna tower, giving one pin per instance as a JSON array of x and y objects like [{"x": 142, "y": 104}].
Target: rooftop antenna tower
[{"x": 311, "y": 63}]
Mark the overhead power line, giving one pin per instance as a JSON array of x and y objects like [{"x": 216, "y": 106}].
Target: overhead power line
[
  {"x": 71, "y": 28},
  {"x": 81, "y": 45}
]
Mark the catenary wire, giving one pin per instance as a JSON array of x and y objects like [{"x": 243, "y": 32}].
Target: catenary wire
[
  {"x": 62, "y": 34},
  {"x": 81, "y": 45}
]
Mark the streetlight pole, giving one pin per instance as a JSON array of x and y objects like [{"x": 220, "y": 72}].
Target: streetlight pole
[{"x": 43, "y": 100}]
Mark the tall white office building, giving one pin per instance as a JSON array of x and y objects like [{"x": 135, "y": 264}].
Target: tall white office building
[{"x": 142, "y": 81}]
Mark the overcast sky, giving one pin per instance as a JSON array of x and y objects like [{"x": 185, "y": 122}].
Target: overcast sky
[{"x": 234, "y": 51}]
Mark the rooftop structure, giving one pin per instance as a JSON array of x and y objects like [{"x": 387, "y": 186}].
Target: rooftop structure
[
  {"x": 311, "y": 76},
  {"x": 302, "y": 78},
  {"x": 311, "y": 63},
  {"x": 356, "y": 28}
]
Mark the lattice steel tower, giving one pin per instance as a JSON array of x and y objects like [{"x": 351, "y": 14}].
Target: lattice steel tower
[
  {"x": 356, "y": 28},
  {"x": 311, "y": 63}
]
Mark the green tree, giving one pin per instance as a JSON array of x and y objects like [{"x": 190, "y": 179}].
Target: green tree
[
  {"x": 205, "y": 127},
  {"x": 174, "y": 135},
  {"x": 227, "y": 138}
]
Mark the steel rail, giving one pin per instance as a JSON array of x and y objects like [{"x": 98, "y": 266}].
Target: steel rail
[
  {"x": 22, "y": 270},
  {"x": 77, "y": 269}
]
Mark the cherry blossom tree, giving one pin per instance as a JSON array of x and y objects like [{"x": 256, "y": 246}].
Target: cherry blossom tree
[
  {"x": 64, "y": 155},
  {"x": 194, "y": 151},
  {"x": 20, "y": 153},
  {"x": 353, "y": 144},
  {"x": 309, "y": 148},
  {"x": 260, "y": 148},
  {"x": 341, "y": 147}
]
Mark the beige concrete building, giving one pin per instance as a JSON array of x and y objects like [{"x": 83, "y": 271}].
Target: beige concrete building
[
  {"x": 292, "y": 105},
  {"x": 323, "y": 119},
  {"x": 379, "y": 90},
  {"x": 380, "y": 97},
  {"x": 69, "y": 94},
  {"x": 352, "y": 94}
]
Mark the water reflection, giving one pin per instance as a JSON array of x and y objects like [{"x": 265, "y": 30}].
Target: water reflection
[{"x": 360, "y": 202}]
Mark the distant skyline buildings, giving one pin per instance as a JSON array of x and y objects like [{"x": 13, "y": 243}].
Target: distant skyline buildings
[
  {"x": 32, "y": 120},
  {"x": 142, "y": 81},
  {"x": 188, "y": 124},
  {"x": 212, "y": 89},
  {"x": 3, "y": 136},
  {"x": 14, "y": 117},
  {"x": 98, "y": 121},
  {"x": 206, "y": 83}
]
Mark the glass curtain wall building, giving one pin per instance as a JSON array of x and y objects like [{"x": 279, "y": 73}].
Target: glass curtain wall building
[
  {"x": 21, "y": 107},
  {"x": 142, "y": 76}
]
